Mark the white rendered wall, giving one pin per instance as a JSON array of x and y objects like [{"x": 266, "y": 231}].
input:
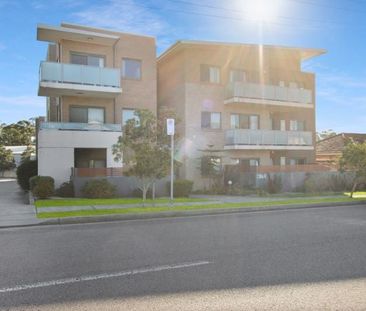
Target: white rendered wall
[{"x": 56, "y": 150}]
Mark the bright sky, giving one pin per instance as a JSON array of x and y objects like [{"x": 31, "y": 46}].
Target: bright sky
[{"x": 337, "y": 26}]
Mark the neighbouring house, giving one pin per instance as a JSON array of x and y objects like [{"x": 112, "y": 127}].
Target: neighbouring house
[
  {"x": 93, "y": 80},
  {"x": 243, "y": 107},
  {"x": 329, "y": 150}
]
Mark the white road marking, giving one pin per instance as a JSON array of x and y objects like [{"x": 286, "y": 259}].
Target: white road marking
[{"x": 102, "y": 276}]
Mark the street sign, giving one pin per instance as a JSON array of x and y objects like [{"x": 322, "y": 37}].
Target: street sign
[{"x": 170, "y": 127}]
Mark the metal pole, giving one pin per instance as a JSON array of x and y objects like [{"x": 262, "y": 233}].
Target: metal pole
[{"x": 171, "y": 168}]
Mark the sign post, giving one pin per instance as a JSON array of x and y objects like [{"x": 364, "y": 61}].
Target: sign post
[{"x": 170, "y": 129}]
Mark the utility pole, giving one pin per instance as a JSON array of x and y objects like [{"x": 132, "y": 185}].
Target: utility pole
[{"x": 170, "y": 128}]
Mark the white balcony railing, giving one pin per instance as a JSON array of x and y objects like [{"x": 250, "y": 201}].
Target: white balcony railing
[
  {"x": 268, "y": 92},
  {"x": 73, "y": 126},
  {"x": 268, "y": 137},
  {"x": 79, "y": 74}
]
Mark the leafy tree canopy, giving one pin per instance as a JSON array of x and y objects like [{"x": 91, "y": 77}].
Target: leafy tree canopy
[
  {"x": 144, "y": 147},
  {"x": 6, "y": 159},
  {"x": 17, "y": 134},
  {"x": 354, "y": 159}
]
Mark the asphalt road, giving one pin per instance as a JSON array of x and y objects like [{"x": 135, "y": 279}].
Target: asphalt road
[{"x": 311, "y": 258}]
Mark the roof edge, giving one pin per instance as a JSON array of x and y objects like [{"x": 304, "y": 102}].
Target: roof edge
[{"x": 314, "y": 51}]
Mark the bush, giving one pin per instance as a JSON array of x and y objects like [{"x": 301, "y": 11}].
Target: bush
[
  {"x": 25, "y": 171},
  {"x": 42, "y": 187},
  {"x": 182, "y": 187},
  {"x": 274, "y": 185},
  {"x": 66, "y": 190},
  {"x": 98, "y": 188}
]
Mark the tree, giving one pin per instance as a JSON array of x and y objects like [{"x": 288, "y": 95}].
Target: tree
[
  {"x": 27, "y": 153},
  {"x": 325, "y": 134},
  {"x": 354, "y": 159},
  {"x": 143, "y": 149},
  {"x": 6, "y": 160},
  {"x": 17, "y": 134}
]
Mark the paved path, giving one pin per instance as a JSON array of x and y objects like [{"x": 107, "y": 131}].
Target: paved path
[
  {"x": 312, "y": 259},
  {"x": 14, "y": 210}
]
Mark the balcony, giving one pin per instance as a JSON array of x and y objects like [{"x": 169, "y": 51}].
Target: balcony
[
  {"x": 268, "y": 140},
  {"x": 254, "y": 93},
  {"x": 57, "y": 79},
  {"x": 72, "y": 126}
]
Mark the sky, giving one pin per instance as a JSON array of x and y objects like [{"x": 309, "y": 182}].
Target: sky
[{"x": 337, "y": 26}]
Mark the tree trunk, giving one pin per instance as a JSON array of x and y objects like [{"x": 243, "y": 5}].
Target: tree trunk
[{"x": 354, "y": 187}]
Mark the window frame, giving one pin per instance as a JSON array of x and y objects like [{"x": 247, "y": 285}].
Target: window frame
[
  {"x": 87, "y": 108},
  {"x": 248, "y": 116},
  {"x": 232, "y": 70},
  {"x": 210, "y": 113},
  {"x": 122, "y": 68},
  {"x": 207, "y": 67},
  {"x": 87, "y": 55}
]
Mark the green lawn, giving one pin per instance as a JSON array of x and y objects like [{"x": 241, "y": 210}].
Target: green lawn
[
  {"x": 137, "y": 210},
  {"x": 116, "y": 201},
  {"x": 357, "y": 194}
]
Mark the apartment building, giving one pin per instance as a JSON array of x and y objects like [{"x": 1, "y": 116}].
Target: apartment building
[
  {"x": 241, "y": 107},
  {"x": 93, "y": 80}
]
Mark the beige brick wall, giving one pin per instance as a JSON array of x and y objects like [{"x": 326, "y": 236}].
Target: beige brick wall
[
  {"x": 180, "y": 87},
  {"x": 136, "y": 94}
]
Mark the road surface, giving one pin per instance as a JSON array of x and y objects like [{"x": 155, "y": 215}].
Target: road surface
[{"x": 312, "y": 258}]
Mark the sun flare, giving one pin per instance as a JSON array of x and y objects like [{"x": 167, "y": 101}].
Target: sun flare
[{"x": 262, "y": 10}]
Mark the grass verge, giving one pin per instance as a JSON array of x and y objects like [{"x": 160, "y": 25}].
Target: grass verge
[
  {"x": 139, "y": 210},
  {"x": 119, "y": 201}
]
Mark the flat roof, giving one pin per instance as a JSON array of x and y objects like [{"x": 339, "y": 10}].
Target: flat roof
[
  {"x": 305, "y": 53},
  {"x": 55, "y": 33},
  {"x": 103, "y": 30}
]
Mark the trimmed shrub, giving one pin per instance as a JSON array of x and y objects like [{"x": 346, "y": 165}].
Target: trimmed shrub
[
  {"x": 66, "y": 190},
  {"x": 25, "y": 171},
  {"x": 42, "y": 187},
  {"x": 182, "y": 187},
  {"x": 99, "y": 188}
]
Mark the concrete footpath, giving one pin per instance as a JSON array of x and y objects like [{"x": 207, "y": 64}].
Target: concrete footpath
[{"x": 14, "y": 210}]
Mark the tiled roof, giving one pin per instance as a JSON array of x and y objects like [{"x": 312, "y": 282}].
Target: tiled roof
[{"x": 335, "y": 144}]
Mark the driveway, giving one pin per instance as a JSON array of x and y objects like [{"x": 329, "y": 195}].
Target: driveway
[{"x": 14, "y": 209}]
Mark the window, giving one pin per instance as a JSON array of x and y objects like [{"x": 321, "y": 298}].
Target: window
[
  {"x": 85, "y": 59},
  {"x": 296, "y": 125},
  {"x": 282, "y": 161},
  {"x": 243, "y": 121},
  {"x": 293, "y": 85},
  {"x": 131, "y": 69},
  {"x": 210, "y": 166},
  {"x": 210, "y": 74},
  {"x": 128, "y": 114},
  {"x": 86, "y": 115},
  {"x": 297, "y": 161},
  {"x": 237, "y": 75},
  {"x": 211, "y": 120}
]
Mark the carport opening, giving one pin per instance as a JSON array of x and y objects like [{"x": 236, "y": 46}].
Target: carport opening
[{"x": 90, "y": 157}]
